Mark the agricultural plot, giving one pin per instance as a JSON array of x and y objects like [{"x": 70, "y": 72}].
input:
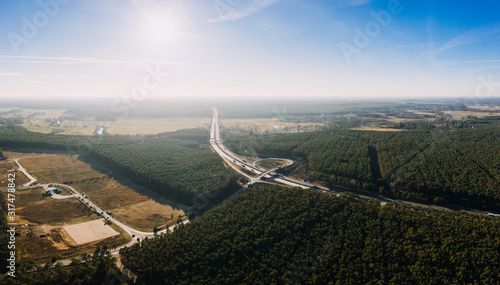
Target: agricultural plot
[
  {"x": 132, "y": 208},
  {"x": 267, "y": 125},
  {"x": 121, "y": 126},
  {"x": 90, "y": 231},
  {"x": 7, "y": 168}
]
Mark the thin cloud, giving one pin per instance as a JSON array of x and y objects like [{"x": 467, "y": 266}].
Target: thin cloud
[
  {"x": 244, "y": 9},
  {"x": 470, "y": 37},
  {"x": 450, "y": 63},
  {"x": 12, "y": 74},
  {"x": 415, "y": 45},
  {"x": 347, "y": 3},
  {"x": 78, "y": 60}
]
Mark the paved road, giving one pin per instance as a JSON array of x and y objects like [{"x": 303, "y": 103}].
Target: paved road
[
  {"x": 235, "y": 161},
  {"x": 230, "y": 158},
  {"x": 134, "y": 233}
]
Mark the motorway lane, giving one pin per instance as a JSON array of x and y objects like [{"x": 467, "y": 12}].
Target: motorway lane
[{"x": 228, "y": 156}]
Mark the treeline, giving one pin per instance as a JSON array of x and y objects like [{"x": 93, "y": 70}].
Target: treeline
[
  {"x": 99, "y": 269},
  {"x": 273, "y": 235},
  {"x": 2, "y": 155},
  {"x": 178, "y": 165},
  {"x": 437, "y": 166}
]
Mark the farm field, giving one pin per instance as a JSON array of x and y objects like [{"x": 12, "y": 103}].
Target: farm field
[
  {"x": 57, "y": 168},
  {"x": 9, "y": 167},
  {"x": 42, "y": 219},
  {"x": 377, "y": 129},
  {"x": 46, "y": 121},
  {"x": 263, "y": 125},
  {"x": 128, "y": 206},
  {"x": 121, "y": 126},
  {"x": 459, "y": 115}
]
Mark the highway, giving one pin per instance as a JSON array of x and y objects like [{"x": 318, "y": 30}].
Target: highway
[{"x": 233, "y": 160}]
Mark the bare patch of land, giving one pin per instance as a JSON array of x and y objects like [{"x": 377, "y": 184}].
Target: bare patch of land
[
  {"x": 147, "y": 215},
  {"x": 90, "y": 231},
  {"x": 270, "y": 164}
]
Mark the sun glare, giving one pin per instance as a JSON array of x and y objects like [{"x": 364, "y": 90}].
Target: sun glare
[{"x": 162, "y": 30}]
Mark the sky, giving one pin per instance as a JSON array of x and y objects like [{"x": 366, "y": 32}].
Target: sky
[{"x": 133, "y": 50}]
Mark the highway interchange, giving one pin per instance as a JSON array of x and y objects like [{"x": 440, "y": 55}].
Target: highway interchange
[{"x": 233, "y": 161}]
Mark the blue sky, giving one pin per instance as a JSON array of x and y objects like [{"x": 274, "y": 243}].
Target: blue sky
[{"x": 252, "y": 48}]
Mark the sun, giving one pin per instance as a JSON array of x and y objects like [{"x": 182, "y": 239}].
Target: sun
[{"x": 162, "y": 29}]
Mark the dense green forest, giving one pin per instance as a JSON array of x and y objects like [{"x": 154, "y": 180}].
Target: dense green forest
[
  {"x": 273, "y": 235},
  {"x": 98, "y": 269},
  {"x": 460, "y": 166},
  {"x": 178, "y": 165}
]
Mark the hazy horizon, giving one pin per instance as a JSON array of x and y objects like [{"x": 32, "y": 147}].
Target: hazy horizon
[{"x": 254, "y": 49}]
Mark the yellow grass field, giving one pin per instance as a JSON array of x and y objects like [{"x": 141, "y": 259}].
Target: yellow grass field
[
  {"x": 41, "y": 220},
  {"x": 147, "y": 215},
  {"x": 127, "y": 205},
  {"x": 58, "y": 168},
  {"x": 9, "y": 167},
  {"x": 262, "y": 125},
  {"x": 122, "y": 126},
  {"x": 378, "y": 129},
  {"x": 458, "y": 115}
]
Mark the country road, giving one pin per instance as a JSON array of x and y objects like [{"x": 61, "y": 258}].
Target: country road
[{"x": 134, "y": 233}]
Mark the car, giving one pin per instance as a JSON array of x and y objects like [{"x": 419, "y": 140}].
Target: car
[
  {"x": 86, "y": 196},
  {"x": 138, "y": 239},
  {"x": 133, "y": 236},
  {"x": 83, "y": 194}
]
